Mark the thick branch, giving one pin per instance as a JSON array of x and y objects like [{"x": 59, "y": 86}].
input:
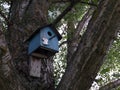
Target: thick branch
[
  {"x": 83, "y": 22},
  {"x": 93, "y": 47},
  {"x": 66, "y": 1},
  {"x": 60, "y": 1},
  {"x": 64, "y": 42},
  {"x": 3, "y": 44},
  {"x": 111, "y": 85},
  {"x": 91, "y": 4},
  {"x": 74, "y": 35},
  {"x": 73, "y": 3}
]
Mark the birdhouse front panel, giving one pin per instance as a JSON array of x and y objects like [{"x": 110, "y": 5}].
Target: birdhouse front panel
[
  {"x": 44, "y": 42},
  {"x": 49, "y": 39}
]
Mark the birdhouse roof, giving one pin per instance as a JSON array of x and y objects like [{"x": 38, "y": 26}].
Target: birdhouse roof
[{"x": 52, "y": 28}]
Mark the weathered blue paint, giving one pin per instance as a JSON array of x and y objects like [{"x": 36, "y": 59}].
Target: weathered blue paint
[
  {"x": 52, "y": 39},
  {"x": 34, "y": 43},
  {"x": 44, "y": 42}
]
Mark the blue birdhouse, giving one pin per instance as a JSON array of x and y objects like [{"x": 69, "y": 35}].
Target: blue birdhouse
[{"x": 43, "y": 42}]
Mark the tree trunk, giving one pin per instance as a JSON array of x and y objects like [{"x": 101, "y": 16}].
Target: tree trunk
[
  {"x": 8, "y": 79},
  {"x": 25, "y": 17},
  {"x": 93, "y": 47}
]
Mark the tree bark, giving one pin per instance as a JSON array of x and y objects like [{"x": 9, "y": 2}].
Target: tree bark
[
  {"x": 93, "y": 47},
  {"x": 25, "y": 17},
  {"x": 8, "y": 78},
  {"x": 74, "y": 34}
]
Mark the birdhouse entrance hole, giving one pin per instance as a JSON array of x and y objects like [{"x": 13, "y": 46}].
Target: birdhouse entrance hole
[
  {"x": 43, "y": 43},
  {"x": 49, "y": 33}
]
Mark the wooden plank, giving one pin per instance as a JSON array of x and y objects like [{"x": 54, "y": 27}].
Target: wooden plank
[
  {"x": 39, "y": 55},
  {"x": 35, "y": 66}
]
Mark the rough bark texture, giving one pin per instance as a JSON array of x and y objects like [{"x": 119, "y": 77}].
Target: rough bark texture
[
  {"x": 74, "y": 34},
  {"x": 25, "y": 17},
  {"x": 93, "y": 47},
  {"x": 9, "y": 80}
]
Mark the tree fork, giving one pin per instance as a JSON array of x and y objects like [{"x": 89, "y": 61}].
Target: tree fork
[{"x": 92, "y": 48}]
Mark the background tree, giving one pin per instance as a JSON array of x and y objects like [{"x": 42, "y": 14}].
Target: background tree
[{"x": 85, "y": 52}]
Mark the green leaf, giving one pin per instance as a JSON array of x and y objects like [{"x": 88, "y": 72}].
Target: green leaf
[{"x": 105, "y": 70}]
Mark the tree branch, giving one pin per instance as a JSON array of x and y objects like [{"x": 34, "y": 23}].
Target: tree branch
[
  {"x": 63, "y": 14},
  {"x": 111, "y": 85},
  {"x": 4, "y": 51},
  {"x": 83, "y": 2},
  {"x": 93, "y": 47},
  {"x": 91, "y": 4},
  {"x": 83, "y": 21},
  {"x": 73, "y": 3},
  {"x": 60, "y": 1},
  {"x": 64, "y": 42}
]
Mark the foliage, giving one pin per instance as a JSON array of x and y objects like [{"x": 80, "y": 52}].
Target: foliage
[
  {"x": 75, "y": 15},
  {"x": 60, "y": 64},
  {"x": 111, "y": 67},
  {"x": 4, "y": 9}
]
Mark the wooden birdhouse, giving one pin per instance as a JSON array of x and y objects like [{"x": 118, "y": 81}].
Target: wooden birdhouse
[{"x": 43, "y": 42}]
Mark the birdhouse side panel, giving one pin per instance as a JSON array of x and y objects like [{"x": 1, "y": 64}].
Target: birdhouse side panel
[
  {"x": 54, "y": 44},
  {"x": 34, "y": 43}
]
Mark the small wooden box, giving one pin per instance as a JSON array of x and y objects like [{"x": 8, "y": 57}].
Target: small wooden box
[{"x": 43, "y": 42}]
